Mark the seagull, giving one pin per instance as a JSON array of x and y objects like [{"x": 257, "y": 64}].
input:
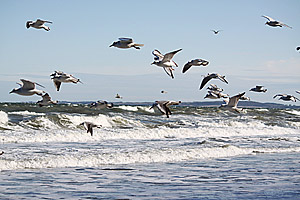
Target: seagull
[
  {"x": 258, "y": 88},
  {"x": 1, "y": 153},
  {"x": 274, "y": 23},
  {"x": 231, "y": 104},
  {"x": 245, "y": 98},
  {"x": 286, "y": 97},
  {"x": 89, "y": 126},
  {"x": 195, "y": 62},
  {"x": 163, "y": 106},
  {"x": 211, "y": 76},
  {"x": 59, "y": 77},
  {"x": 125, "y": 43},
  {"x": 163, "y": 92},
  {"x": 101, "y": 105},
  {"x": 214, "y": 87},
  {"x": 165, "y": 61},
  {"x": 215, "y": 95},
  {"x": 298, "y": 48},
  {"x": 216, "y": 32},
  {"x": 27, "y": 88},
  {"x": 46, "y": 101},
  {"x": 38, "y": 24},
  {"x": 118, "y": 97}
]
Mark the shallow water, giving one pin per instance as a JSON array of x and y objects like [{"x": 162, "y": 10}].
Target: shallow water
[{"x": 197, "y": 153}]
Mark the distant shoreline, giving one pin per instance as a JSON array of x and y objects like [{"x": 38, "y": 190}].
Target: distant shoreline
[{"x": 244, "y": 104}]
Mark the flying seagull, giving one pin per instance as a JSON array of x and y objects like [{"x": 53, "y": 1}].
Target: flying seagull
[
  {"x": 89, "y": 126},
  {"x": 118, "y": 97},
  {"x": 214, "y": 87},
  {"x": 38, "y": 24},
  {"x": 286, "y": 97},
  {"x": 298, "y": 48},
  {"x": 46, "y": 101},
  {"x": 27, "y": 88},
  {"x": 125, "y": 43},
  {"x": 101, "y": 105},
  {"x": 195, "y": 62},
  {"x": 211, "y": 76},
  {"x": 212, "y": 94},
  {"x": 165, "y": 61},
  {"x": 231, "y": 104},
  {"x": 163, "y": 106},
  {"x": 216, "y": 32},
  {"x": 274, "y": 23},
  {"x": 258, "y": 88},
  {"x": 245, "y": 98},
  {"x": 59, "y": 77}
]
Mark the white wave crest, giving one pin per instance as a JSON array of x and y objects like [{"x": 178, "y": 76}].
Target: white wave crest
[
  {"x": 3, "y": 117},
  {"x": 86, "y": 158},
  {"x": 26, "y": 112}
]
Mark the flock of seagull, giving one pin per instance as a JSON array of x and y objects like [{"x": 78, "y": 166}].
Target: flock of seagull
[{"x": 28, "y": 88}]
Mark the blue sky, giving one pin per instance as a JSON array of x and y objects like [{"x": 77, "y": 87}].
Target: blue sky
[{"x": 247, "y": 51}]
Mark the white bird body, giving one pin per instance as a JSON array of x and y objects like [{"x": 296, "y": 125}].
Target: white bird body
[
  {"x": 46, "y": 101},
  {"x": 274, "y": 23},
  {"x": 163, "y": 106},
  {"x": 165, "y": 61},
  {"x": 27, "y": 88},
  {"x": 125, "y": 43},
  {"x": 232, "y": 103},
  {"x": 59, "y": 77},
  {"x": 38, "y": 24},
  {"x": 214, "y": 87}
]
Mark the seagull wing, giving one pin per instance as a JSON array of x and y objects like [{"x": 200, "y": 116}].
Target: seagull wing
[
  {"x": 233, "y": 101},
  {"x": 46, "y": 97},
  {"x": 41, "y": 22},
  {"x": 169, "y": 70},
  {"x": 205, "y": 80},
  {"x": 259, "y": 87},
  {"x": 285, "y": 25},
  {"x": 129, "y": 40},
  {"x": 161, "y": 107},
  {"x": 170, "y": 55},
  {"x": 170, "y": 103},
  {"x": 298, "y": 91},
  {"x": 278, "y": 95},
  {"x": 187, "y": 66},
  {"x": 27, "y": 84},
  {"x": 158, "y": 55},
  {"x": 57, "y": 85},
  {"x": 166, "y": 108},
  {"x": 268, "y": 18},
  {"x": 90, "y": 129},
  {"x": 222, "y": 78}
]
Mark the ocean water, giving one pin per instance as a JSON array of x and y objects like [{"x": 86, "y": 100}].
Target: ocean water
[{"x": 197, "y": 153}]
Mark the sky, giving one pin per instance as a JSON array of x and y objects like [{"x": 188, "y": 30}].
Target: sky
[{"x": 246, "y": 51}]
